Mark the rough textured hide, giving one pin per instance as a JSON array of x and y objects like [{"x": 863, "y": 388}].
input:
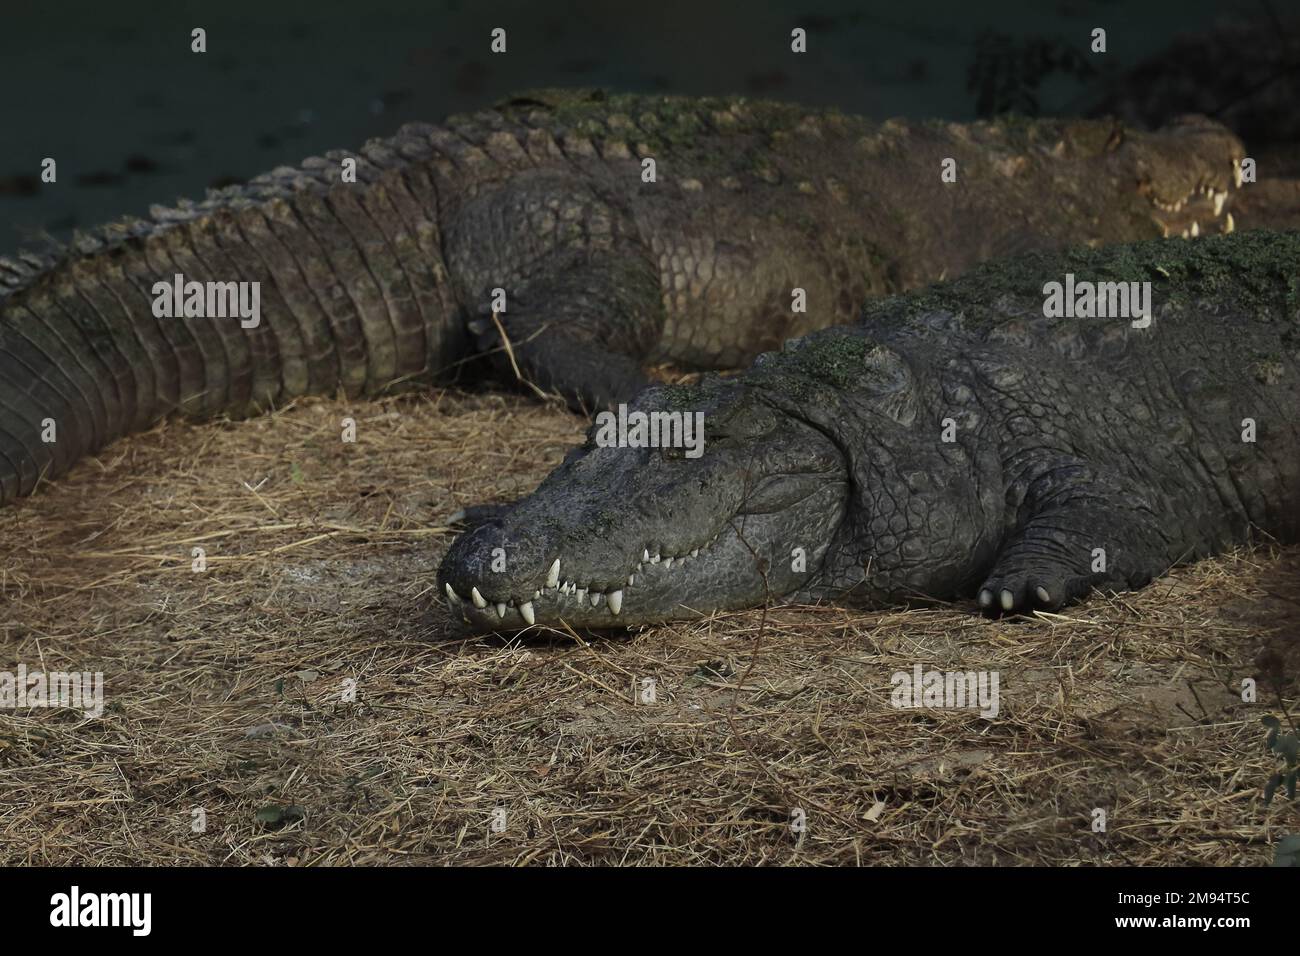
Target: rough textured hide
[
  {"x": 387, "y": 282},
  {"x": 956, "y": 443}
]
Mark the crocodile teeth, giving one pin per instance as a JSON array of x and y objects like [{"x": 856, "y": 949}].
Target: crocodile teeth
[
  {"x": 595, "y": 599},
  {"x": 631, "y": 579},
  {"x": 1219, "y": 200},
  {"x": 1236, "y": 175},
  {"x": 527, "y": 611},
  {"x": 581, "y": 593},
  {"x": 668, "y": 563},
  {"x": 645, "y": 555},
  {"x": 501, "y": 610},
  {"x": 654, "y": 559},
  {"x": 451, "y": 593},
  {"x": 477, "y": 598},
  {"x": 1196, "y": 229},
  {"x": 553, "y": 576},
  {"x": 695, "y": 552},
  {"x": 1228, "y": 225},
  {"x": 616, "y": 600}
]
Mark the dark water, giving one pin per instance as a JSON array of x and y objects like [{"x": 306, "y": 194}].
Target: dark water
[{"x": 113, "y": 92}]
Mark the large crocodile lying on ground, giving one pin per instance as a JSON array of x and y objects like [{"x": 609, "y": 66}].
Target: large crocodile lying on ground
[
  {"x": 957, "y": 442},
  {"x": 389, "y": 281}
]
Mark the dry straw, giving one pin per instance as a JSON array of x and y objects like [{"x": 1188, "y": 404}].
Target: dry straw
[{"x": 228, "y": 690}]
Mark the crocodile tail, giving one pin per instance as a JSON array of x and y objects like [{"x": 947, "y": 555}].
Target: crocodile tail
[{"x": 296, "y": 283}]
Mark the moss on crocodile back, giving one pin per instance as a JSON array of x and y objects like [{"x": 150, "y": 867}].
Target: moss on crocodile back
[
  {"x": 1258, "y": 271},
  {"x": 694, "y": 395},
  {"x": 837, "y": 359}
]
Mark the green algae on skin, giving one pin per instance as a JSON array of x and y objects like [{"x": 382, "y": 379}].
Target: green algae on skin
[{"x": 1257, "y": 271}]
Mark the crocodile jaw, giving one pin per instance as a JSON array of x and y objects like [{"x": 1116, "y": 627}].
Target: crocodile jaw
[{"x": 626, "y": 536}]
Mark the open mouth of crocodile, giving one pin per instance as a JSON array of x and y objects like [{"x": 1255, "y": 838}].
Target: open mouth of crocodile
[{"x": 1202, "y": 211}]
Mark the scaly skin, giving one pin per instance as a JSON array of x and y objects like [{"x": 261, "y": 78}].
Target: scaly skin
[
  {"x": 957, "y": 443},
  {"x": 387, "y": 282}
]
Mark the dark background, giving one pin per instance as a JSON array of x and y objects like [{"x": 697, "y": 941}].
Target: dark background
[{"x": 113, "y": 93}]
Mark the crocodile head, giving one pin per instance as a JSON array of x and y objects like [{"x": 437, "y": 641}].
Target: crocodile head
[
  {"x": 791, "y": 494},
  {"x": 1187, "y": 172},
  {"x": 621, "y": 535}
]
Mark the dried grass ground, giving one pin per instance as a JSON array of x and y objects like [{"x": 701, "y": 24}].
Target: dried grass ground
[{"x": 226, "y": 689}]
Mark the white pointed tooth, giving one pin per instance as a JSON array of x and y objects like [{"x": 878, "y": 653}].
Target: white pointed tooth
[
  {"x": 595, "y": 598},
  {"x": 581, "y": 593},
  {"x": 668, "y": 563},
  {"x": 526, "y": 610},
  {"x": 536, "y": 595},
  {"x": 616, "y": 600},
  {"x": 631, "y": 579},
  {"x": 654, "y": 559},
  {"x": 1196, "y": 229},
  {"x": 645, "y": 554},
  {"x": 501, "y": 609},
  {"x": 695, "y": 552},
  {"x": 1236, "y": 174},
  {"x": 553, "y": 576},
  {"x": 477, "y": 598},
  {"x": 1228, "y": 224},
  {"x": 1219, "y": 200},
  {"x": 451, "y": 593},
  {"x": 1183, "y": 234}
]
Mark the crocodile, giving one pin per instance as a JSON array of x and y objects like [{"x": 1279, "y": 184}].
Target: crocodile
[
  {"x": 963, "y": 441},
  {"x": 568, "y": 239}
]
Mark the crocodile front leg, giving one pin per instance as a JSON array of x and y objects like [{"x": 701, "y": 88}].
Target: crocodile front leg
[
  {"x": 561, "y": 288},
  {"x": 581, "y": 329},
  {"x": 1079, "y": 528}
]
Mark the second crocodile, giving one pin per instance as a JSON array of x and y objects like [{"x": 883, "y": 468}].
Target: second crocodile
[{"x": 594, "y": 234}]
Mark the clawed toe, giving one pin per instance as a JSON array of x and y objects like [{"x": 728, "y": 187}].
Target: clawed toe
[{"x": 998, "y": 597}]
